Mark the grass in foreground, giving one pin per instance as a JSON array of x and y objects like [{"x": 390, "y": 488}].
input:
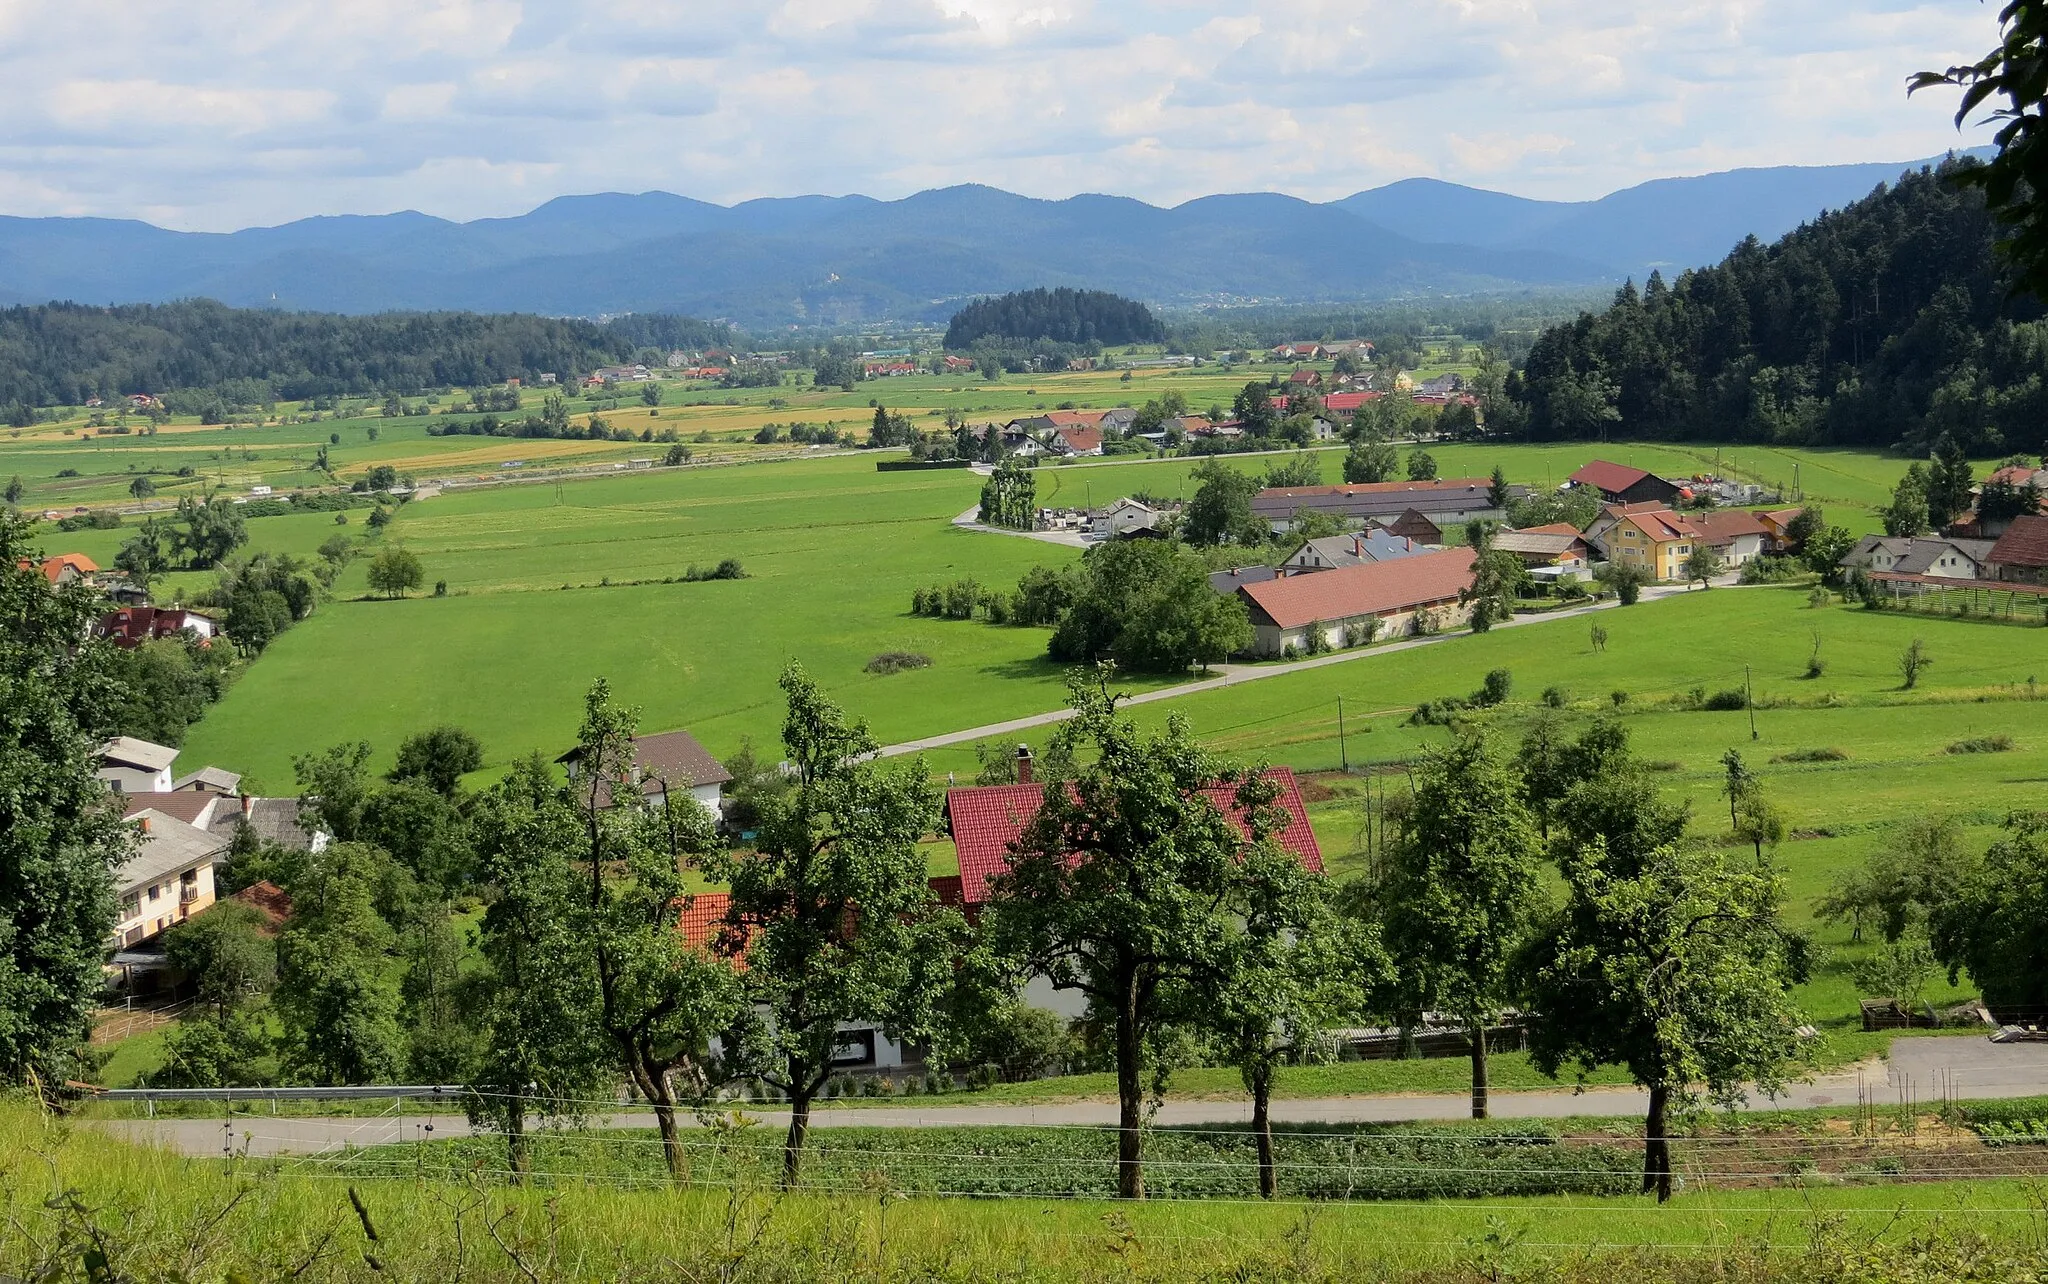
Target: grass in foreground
[{"x": 81, "y": 1206}]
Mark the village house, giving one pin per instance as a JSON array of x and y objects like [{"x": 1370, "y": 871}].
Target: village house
[
  {"x": 666, "y": 764},
  {"x": 1621, "y": 484},
  {"x": 1075, "y": 442},
  {"x": 1117, "y": 422},
  {"x": 1297, "y": 352},
  {"x": 65, "y": 568},
  {"x": 1305, "y": 380},
  {"x": 1123, "y": 517},
  {"x": 1340, "y": 602},
  {"x": 1653, "y": 539},
  {"x": 131, "y": 766},
  {"x": 167, "y": 880},
  {"x": 1229, "y": 582},
  {"x": 2021, "y": 554},
  {"x": 623, "y": 374},
  {"x": 131, "y": 626},
  {"x": 889, "y": 369},
  {"x": 1334, "y": 552},
  {"x": 1449, "y": 503},
  {"x": 1348, "y": 403},
  {"x": 1935, "y": 556}
]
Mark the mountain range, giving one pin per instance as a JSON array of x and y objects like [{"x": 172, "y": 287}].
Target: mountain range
[{"x": 830, "y": 260}]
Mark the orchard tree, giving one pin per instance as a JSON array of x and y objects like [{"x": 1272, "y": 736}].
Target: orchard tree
[
  {"x": 541, "y": 1051},
  {"x": 1907, "y": 513},
  {"x": 1703, "y": 564},
  {"x": 1460, "y": 892},
  {"x": 1677, "y": 966},
  {"x": 226, "y": 953},
  {"x": 662, "y": 998},
  {"x": 832, "y": 912},
  {"x": 1421, "y": 466},
  {"x": 1121, "y": 887},
  {"x": 1294, "y": 967},
  {"x": 59, "y": 841}
]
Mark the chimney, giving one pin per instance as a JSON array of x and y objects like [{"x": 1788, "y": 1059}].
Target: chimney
[
  {"x": 145, "y": 824},
  {"x": 1357, "y": 546},
  {"x": 248, "y": 806},
  {"x": 1023, "y": 764}
]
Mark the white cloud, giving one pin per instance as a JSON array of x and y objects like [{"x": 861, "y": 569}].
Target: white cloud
[{"x": 245, "y": 111}]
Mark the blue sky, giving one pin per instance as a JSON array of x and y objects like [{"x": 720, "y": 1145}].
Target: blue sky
[{"x": 229, "y": 113}]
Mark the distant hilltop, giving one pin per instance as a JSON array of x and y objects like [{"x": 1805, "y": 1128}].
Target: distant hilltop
[{"x": 816, "y": 259}]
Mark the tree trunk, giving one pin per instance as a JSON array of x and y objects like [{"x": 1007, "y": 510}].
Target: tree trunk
[
  {"x": 1656, "y": 1147},
  {"x": 800, "y": 1093},
  {"x": 1479, "y": 1082},
  {"x": 1130, "y": 1096},
  {"x": 1262, "y": 1126},
  {"x": 515, "y": 1139},
  {"x": 671, "y": 1142}
]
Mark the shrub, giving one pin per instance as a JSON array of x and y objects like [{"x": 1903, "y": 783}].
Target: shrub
[
  {"x": 1318, "y": 639},
  {"x": 727, "y": 569},
  {"x": 1983, "y": 744},
  {"x": 1618, "y": 696},
  {"x": 440, "y": 588},
  {"x": 1363, "y": 633},
  {"x": 1571, "y": 591},
  {"x": 1914, "y": 661},
  {"x": 1724, "y": 701},
  {"x": 898, "y": 661},
  {"x": 1812, "y": 755},
  {"x": 1770, "y": 569},
  {"x": 960, "y": 598},
  {"x": 1425, "y": 623},
  {"x": 1494, "y": 688},
  {"x": 1557, "y": 697}
]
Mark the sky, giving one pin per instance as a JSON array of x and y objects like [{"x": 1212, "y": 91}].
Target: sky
[{"x": 233, "y": 113}]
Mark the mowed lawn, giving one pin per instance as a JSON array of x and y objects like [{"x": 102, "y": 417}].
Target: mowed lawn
[{"x": 832, "y": 548}]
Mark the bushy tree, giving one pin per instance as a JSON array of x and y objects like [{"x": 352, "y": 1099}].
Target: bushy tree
[
  {"x": 438, "y": 758},
  {"x": 211, "y": 530},
  {"x": 1676, "y": 965},
  {"x": 1221, "y": 510},
  {"x": 59, "y": 842},
  {"x": 1119, "y": 889},
  {"x": 395, "y": 571},
  {"x": 832, "y": 911},
  {"x": 1459, "y": 893},
  {"x": 225, "y": 953},
  {"x": 1148, "y": 605},
  {"x": 340, "y": 1008},
  {"x": 1991, "y": 925},
  {"x": 1370, "y": 460}
]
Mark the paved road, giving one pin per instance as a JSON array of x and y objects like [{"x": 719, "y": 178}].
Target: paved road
[
  {"x": 1234, "y": 675},
  {"x": 1922, "y": 1069}
]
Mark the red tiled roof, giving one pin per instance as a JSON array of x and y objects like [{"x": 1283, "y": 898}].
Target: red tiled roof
[
  {"x": 987, "y": 820},
  {"x": 1554, "y": 528},
  {"x": 1607, "y": 477},
  {"x": 1081, "y": 440},
  {"x": 1718, "y": 526},
  {"x": 1074, "y": 418},
  {"x": 54, "y": 566},
  {"x": 1376, "y": 588},
  {"x": 1339, "y": 401},
  {"x": 272, "y": 901},
  {"x": 2025, "y": 543}
]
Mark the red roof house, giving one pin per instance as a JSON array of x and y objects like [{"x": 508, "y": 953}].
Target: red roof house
[
  {"x": 987, "y": 820},
  {"x": 2021, "y": 554},
  {"x": 1079, "y": 441},
  {"x": 1621, "y": 484}
]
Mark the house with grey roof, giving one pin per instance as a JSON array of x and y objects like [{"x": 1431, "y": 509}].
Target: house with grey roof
[
  {"x": 665, "y": 765},
  {"x": 131, "y": 766},
  {"x": 1936, "y": 556},
  {"x": 1333, "y": 552},
  {"x": 167, "y": 880}
]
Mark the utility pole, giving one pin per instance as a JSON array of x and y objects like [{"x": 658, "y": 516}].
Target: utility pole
[
  {"x": 1749, "y": 700},
  {"x": 1343, "y": 755}
]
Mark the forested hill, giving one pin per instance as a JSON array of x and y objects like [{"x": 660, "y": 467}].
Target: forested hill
[
  {"x": 63, "y": 354},
  {"x": 1061, "y": 316},
  {"x": 1886, "y": 322}
]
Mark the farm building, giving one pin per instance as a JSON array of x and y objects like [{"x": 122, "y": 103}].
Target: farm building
[
  {"x": 1621, "y": 484},
  {"x": 1441, "y": 503},
  {"x": 1123, "y": 517},
  {"x": 2021, "y": 554},
  {"x": 1557, "y": 544},
  {"x": 1393, "y": 593}
]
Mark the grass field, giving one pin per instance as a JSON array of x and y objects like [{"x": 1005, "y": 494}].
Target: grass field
[{"x": 149, "y": 1213}]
